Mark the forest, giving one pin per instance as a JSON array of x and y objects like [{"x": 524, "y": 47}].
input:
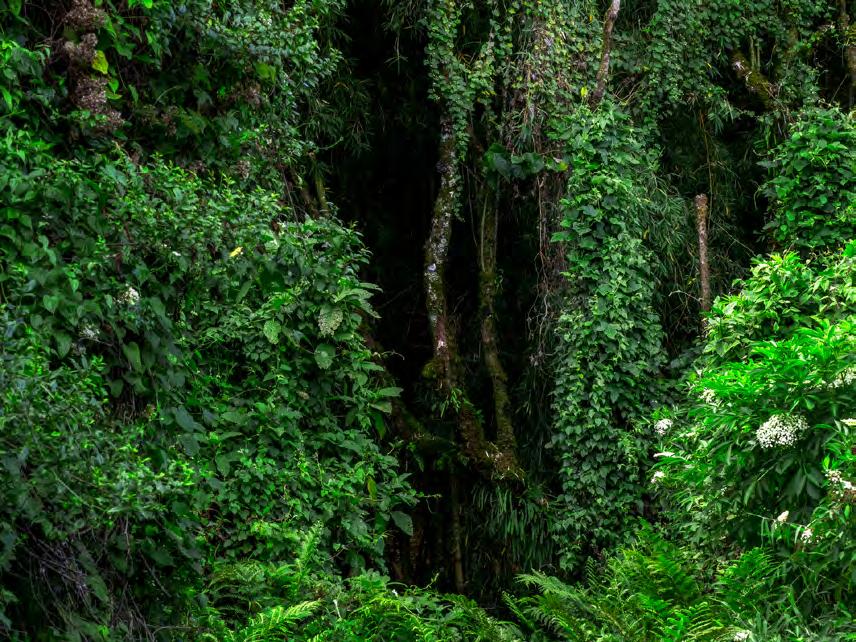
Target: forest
[{"x": 428, "y": 320}]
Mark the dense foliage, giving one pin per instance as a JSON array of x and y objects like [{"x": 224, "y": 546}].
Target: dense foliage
[{"x": 427, "y": 320}]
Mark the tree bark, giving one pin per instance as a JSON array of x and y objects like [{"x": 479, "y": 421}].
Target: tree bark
[
  {"x": 443, "y": 366},
  {"x": 436, "y": 255},
  {"x": 756, "y": 81},
  {"x": 848, "y": 35},
  {"x": 457, "y": 552},
  {"x": 701, "y": 207},
  {"x": 603, "y": 71},
  {"x": 505, "y": 439}
]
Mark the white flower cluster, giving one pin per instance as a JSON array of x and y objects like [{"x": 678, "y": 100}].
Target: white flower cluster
[
  {"x": 130, "y": 296},
  {"x": 807, "y": 535},
  {"x": 89, "y": 332},
  {"x": 657, "y": 476},
  {"x": 709, "y": 397},
  {"x": 834, "y": 477},
  {"x": 740, "y": 636},
  {"x": 781, "y": 430},
  {"x": 846, "y": 378},
  {"x": 842, "y": 489},
  {"x": 663, "y": 426}
]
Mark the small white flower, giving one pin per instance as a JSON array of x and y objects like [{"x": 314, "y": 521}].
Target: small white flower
[
  {"x": 130, "y": 296},
  {"x": 783, "y": 517},
  {"x": 663, "y": 426},
  {"x": 806, "y": 535},
  {"x": 834, "y": 477},
  {"x": 666, "y": 453},
  {"x": 657, "y": 476},
  {"x": 174, "y": 253},
  {"x": 740, "y": 636},
  {"x": 846, "y": 378},
  {"x": 709, "y": 397},
  {"x": 781, "y": 430},
  {"x": 89, "y": 332}
]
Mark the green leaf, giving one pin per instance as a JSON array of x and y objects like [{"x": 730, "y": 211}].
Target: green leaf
[
  {"x": 190, "y": 444},
  {"x": 99, "y": 62},
  {"x": 63, "y": 343},
  {"x": 224, "y": 464},
  {"x": 272, "y": 329},
  {"x": 324, "y": 354},
  {"x": 389, "y": 392},
  {"x": 403, "y": 521},
  {"x": 185, "y": 420},
  {"x": 51, "y": 302},
  {"x": 383, "y": 406},
  {"x": 132, "y": 353}
]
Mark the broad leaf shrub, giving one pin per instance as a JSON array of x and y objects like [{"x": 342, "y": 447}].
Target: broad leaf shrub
[
  {"x": 812, "y": 179},
  {"x": 762, "y": 454},
  {"x": 81, "y": 498},
  {"x": 220, "y": 339}
]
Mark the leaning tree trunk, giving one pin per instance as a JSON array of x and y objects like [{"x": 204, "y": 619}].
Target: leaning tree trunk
[{"x": 603, "y": 70}]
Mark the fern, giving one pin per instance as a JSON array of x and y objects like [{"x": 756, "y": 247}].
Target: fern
[
  {"x": 274, "y": 623},
  {"x": 644, "y": 592}
]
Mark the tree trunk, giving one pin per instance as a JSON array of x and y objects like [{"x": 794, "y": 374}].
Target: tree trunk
[
  {"x": 436, "y": 255},
  {"x": 603, "y": 70},
  {"x": 444, "y": 366},
  {"x": 701, "y": 207},
  {"x": 505, "y": 439},
  {"x": 457, "y": 551},
  {"x": 754, "y": 79},
  {"x": 848, "y": 35}
]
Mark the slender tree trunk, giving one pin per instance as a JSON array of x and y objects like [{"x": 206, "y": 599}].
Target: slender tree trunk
[
  {"x": 488, "y": 284},
  {"x": 457, "y": 551},
  {"x": 702, "y": 213},
  {"x": 603, "y": 70},
  {"x": 848, "y": 35},
  {"x": 436, "y": 255}
]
